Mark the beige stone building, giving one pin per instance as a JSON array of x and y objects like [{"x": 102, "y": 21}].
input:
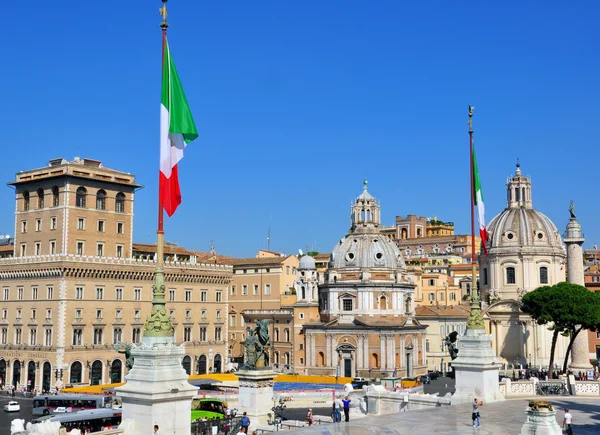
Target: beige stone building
[{"x": 74, "y": 286}]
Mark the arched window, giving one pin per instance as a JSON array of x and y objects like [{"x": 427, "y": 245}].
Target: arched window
[
  {"x": 419, "y": 232},
  {"x": 120, "y": 203},
  {"x": 276, "y": 334},
  {"x": 517, "y": 196},
  {"x": 217, "y": 364},
  {"x": 115, "y": 371},
  {"x": 543, "y": 275},
  {"x": 101, "y": 200},
  {"x": 383, "y": 303},
  {"x": 187, "y": 364},
  {"x": 55, "y": 197},
  {"x": 303, "y": 292},
  {"x": 374, "y": 361},
  {"x": 523, "y": 194},
  {"x": 321, "y": 361},
  {"x": 40, "y": 194},
  {"x": 25, "y": 201},
  {"x": 403, "y": 233},
  {"x": 287, "y": 335},
  {"x": 510, "y": 275},
  {"x": 287, "y": 358},
  {"x": 276, "y": 358},
  {"x": 202, "y": 365},
  {"x": 80, "y": 196},
  {"x": 75, "y": 375},
  {"x": 96, "y": 373}
]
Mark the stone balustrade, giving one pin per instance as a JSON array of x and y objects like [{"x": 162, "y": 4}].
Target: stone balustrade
[{"x": 531, "y": 387}]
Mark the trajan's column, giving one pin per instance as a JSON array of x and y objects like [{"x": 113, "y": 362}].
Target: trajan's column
[{"x": 580, "y": 353}]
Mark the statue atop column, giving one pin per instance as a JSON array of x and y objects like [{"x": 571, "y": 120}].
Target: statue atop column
[
  {"x": 126, "y": 351},
  {"x": 572, "y": 210},
  {"x": 450, "y": 341}
]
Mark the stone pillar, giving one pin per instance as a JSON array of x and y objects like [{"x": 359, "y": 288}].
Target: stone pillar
[
  {"x": 255, "y": 395},
  {"x": 580, "y": 352},
  {"x": 382, "y": 362},
  {"x": 366, "y": 351},
  {"x": 359, "y": 352},
  {"x": 391, "y": 351},
  {"x": 328, "y": 349},
  {"x": 314, "y": 350}
]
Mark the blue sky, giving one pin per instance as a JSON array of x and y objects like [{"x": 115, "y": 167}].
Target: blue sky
[{"x": 296, "y": 102}]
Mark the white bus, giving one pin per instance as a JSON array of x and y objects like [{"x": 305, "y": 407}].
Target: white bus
[
  {"x": 96, "y": 420},
  {"x": 46, "y": 404}
]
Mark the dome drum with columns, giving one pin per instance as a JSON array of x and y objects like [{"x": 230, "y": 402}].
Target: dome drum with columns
[
  {"x": 367, "y": 323},
  {"x": 525, "y": 251}
]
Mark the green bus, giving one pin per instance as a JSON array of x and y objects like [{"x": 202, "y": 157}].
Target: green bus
[{"x": 208, "y": 408}]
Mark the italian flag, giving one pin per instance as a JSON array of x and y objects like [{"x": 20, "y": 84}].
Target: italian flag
[
  {"x": 478, "y": 199},
  {"x": 177, "y": 129}
]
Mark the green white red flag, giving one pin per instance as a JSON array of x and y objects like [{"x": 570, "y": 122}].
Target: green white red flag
[
  {"x": 478, "y": 201},
  {"x": 177, "y": 129}
]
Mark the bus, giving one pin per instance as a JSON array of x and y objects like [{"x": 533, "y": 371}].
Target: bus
[
  {"x": 96, "y": 420},
  {"x": 209, "y": 408},
  {"x": 46, "y": 404}
]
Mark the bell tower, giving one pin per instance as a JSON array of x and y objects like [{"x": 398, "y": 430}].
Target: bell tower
[
  {"x": 518, "y": 190},
  {"x": 365, "y": 212}
]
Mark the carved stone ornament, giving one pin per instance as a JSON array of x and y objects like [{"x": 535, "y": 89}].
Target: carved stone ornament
[{"x": 259, "y": 384}]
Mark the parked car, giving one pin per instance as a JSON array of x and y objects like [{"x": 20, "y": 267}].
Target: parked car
[
  {"x": 425, "y": 379},
  {"x": 12, "y": 406},
  {"x": 433, "y": 375},
  {"x": 359, "y": 382}
]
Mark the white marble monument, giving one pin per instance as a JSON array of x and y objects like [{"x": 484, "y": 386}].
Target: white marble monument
[
  {"x": 541, "y": 420},
  {"x": 256, "y": 395}
]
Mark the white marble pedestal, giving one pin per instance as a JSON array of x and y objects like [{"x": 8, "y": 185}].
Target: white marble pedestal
[
  {"x": 157, "y": 390},
  {"x": 476, "y": 369},
  {"x": 256, "y": 394},
  {"x": 541, "y": 422}
]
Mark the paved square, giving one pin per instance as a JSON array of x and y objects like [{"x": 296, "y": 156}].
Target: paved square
[{"x": 500, "y": 418}]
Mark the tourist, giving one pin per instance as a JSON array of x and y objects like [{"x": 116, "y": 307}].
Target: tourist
[
  {"x": 568, "y": 423},
  {"x": 337, "y": 410},
  {"x": 243, "y": 431},
  {"x": 156, "y": 430},
  {"x": 309, "y": 417},
  {"x": 245, "y": 421},
  {"x": 346, "y": 403},
  {"x": 475, "y": 416},
  {"x": 215, "y": 426}
]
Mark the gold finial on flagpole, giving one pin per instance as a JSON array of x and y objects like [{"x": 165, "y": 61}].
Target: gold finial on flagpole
[{"x": 163, "y": 13}]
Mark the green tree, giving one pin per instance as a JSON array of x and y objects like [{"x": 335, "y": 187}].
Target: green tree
[{"x": 568, "y": 309}]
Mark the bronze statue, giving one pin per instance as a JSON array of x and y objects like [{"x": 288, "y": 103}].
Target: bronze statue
[
  {"x": 126, "y": 352},
  {"x": 536, "y": 405},
  {"x": 450, "y": 341},
  {"x": 257, "y": 345},
  {"x": 572, "y": 210}
]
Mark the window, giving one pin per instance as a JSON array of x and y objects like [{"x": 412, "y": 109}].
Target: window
[
  {"x": 99, "y": 314},
  {"x": 23, "y": 226},
  {"x": 20, "y": 293},
  {"x": 6, "y": 292},
  {"x": 510, "y": 275},
  {"x": 78, "y": 313},
  {"x": 38, "y": 225},
  {"x": 19, "y": 314},
  {"x": 118, "y": 314},
  {"x": 120, "y": 203},
  {"x": 203, "y": 333},
  {"x": 117, "y": 335},
  {"x": 81, "y": 223},
  {"x": 218, "y": 314},
  {"x": 120, "y": 227},
  {"x": 101, "y": 200},
  {"x": 34, "y": 292},
  {"x": 23, "y": 249},
  {"x": 26, "y": 201},
  {"x": 203, "y": 314},
  {"x": 4, "y": 313},
  {"x": 136, "y": 335},
  {"x": 188, "y": 314},
  {"x": 301, "y": 346},
  {"x": 38, "y": 248},
  {"x": 219, "y": 296},
  {"x": 218, "y": 333},
  {"x": 244, "y": 290},
  {"x": 99, "y": 293},
  {"x": 203, "y": 296},
  {"x": 118, "y": 294},
  {"x": 100, "y": 249},
  {"x": 543, "y": 275},
  {"x": 441, "y": 296},
  {"x": 187, "y": 334},
  {"x": 4, "y": 336},
  {"x": 137, "y": 294},
  {"x": 432, "y": 296},
  {"x": 119, "y": 251},
  {"x": 432, "y": 282},
  {"x": 301, "y": 316},
  {"x": 77, "y": 337},
  {"x": 80, "y": 248},
  {"x": 287, "y": 270},
  {"x": 188, "y": 296},
  {"x": 276, "y": 334},
  {"x": 232, "y": 320},
  {"x": 452, "y": 296},
  {"x": 255, "y": 290},
  {"x": 426, "y": 345},
  {"x": 232, "y": 290},
  {"x": 172, "y": 314},
  {"x": 347, "y": 304},
  {"x": 267, "y": 289},
  {"x": 78, "y": 292},
  {"x": 80, "y": 196},
  {"x": 293, "y": 271},
  {"x": 33, "y": 314},
  {"x": 171, "y": 294},
  {"x": 136, "y": 314},
  {"x": 40, "y": 194},
  {"x": 595, "y": 278},
  {"x": 55, "y": 197},
  {"x": 98, "y": 335},
  {"x": 53, "y": 223},
  {"x": 100, "y": 226},
  {"x": 52, "y": 247},
  {"x": 18, "y": 335},
  {"x": 32, "y": 336}
]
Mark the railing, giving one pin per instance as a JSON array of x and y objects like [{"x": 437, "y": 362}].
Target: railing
[
  {"x": 227, "y": 425},
  {"x": 552, "y": 388}
]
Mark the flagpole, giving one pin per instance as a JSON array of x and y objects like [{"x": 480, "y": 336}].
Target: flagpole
[
  {"x": 158, "y": 324},
  {"x": 475, "y": 320}
]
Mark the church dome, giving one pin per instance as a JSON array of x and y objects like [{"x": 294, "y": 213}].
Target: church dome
[
  {"x": 364, "y": 246},
  {"x": 520, "y": 225},
  {"x": 307, "y": 263}
]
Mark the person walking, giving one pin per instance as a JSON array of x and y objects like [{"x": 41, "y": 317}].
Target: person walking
[
  {"x": 568, "y": 422},
  {"x": 309, "y": 417},
  {"x": 475, "y": 416},
  {"x": 337, "y": 410},
  {"x": 346, "y": 403},
  {"x": 245, "y": 421}
]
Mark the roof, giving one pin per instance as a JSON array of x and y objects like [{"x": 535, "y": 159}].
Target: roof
[
  {"x": 322, "y": 257},
  {"x": 201, "y": 257},
  {"x": 442, "y": 311},
  {"x": 254, "y": 261}
]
